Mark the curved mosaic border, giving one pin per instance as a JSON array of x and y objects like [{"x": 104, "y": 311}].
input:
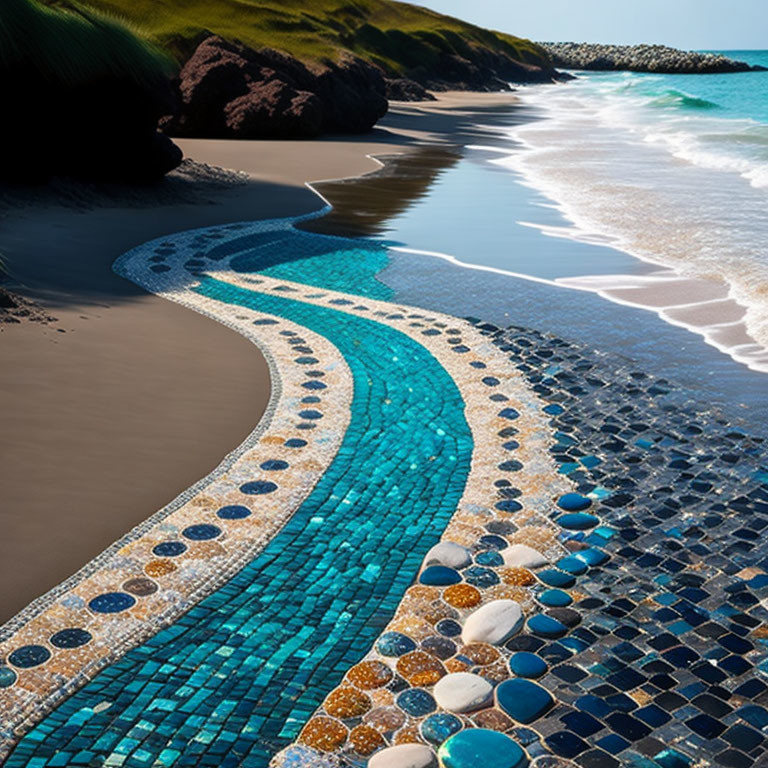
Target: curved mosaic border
[
  {"x": 94, "y": 617},
  {"x": 445, "y": 337},
  {"x": 516, "y": 552}
]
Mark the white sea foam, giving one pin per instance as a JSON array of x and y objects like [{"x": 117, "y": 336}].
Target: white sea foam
[{"x": 667, "y": 180}]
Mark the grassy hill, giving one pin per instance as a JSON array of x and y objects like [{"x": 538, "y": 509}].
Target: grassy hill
[{"x": 398, "y": 36}]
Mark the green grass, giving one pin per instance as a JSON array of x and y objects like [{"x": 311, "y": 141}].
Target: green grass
[
  {"x": 69, "y": 44},
  {"x": 398, "y": 36}
]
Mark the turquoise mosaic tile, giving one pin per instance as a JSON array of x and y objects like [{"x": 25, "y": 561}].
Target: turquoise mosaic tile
[
  {"x": 340, "y": 264},
  {"x": 234, "y": 679}
]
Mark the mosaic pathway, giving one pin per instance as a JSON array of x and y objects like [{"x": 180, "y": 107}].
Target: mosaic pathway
[
  {"x": 396, "y": 482},
  {"x": 164, "y": 566},
  {"x": 446, "y": 542}
]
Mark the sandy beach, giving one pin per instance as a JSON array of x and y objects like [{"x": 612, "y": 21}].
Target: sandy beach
[
  {"x": 381, "y": 388},
  {"x": 113, "y": 410}
]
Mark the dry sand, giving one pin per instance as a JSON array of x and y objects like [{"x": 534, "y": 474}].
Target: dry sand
[{"x": 109, "y": 413}]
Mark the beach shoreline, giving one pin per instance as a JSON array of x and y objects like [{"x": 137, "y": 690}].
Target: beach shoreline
[{"x": 99, "y": 409}]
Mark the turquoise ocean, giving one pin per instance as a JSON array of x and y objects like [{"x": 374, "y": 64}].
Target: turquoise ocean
[{"x": 671, "y": 170}]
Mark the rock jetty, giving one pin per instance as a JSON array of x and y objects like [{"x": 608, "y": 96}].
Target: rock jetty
[{"x": 641, "y": 58}]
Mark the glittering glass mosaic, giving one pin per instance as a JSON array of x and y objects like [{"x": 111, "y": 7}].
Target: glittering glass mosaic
[{"x": 518, "y": 552}]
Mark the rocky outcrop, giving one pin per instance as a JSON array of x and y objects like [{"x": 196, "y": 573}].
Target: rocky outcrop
[
  {"x": 405, "y": 89},
  {"x": 641, "y": 58},
  {"x": 227, "y": 90},
  {"x": 447, "y": 61},
  {"x": 481, "y": 69}
]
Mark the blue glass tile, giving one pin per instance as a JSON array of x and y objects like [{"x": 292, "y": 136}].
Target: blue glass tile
[
  {"x": 201, "y": 532},
  {"x": 233, "y": 512},
  {"x": 70, "y": 638},
  {"x": 29, "y": 656},
  {"x": 169, "y": 549},
  {"x": 112, "y": 602}
]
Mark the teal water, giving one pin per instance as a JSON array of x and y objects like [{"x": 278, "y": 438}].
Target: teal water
[
  {"x": 671, "y": 170},
  {"x": 717, "y": 121},
  {"x": 336, "y": 263},
  {"x": 234, "y": 679},
  {"x": 742, "y": 95}
]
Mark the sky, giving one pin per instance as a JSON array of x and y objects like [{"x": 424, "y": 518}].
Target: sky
[{"x": 690, "y": 24}]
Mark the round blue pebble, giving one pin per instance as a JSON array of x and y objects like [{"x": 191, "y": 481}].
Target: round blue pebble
[
  {"x": 555, "y": 598},
  {"x": 169, "y": 549},
  {"x": 258, "y": 487},
  {"x": 490, "y": 558},
  {"x": 448, "y": 627},
  {"x": 71, "y": 638},
  {"x": 395, "y": 644},
  {"x": 201, "y": 532},
  {"x": 577, "y": 521},
  {"x": 546, "y": 626},
  {"x": 233, "y": 512},
  {"x": 523, "y": 700},
  {"x": 274, "y": 465},
  {"x": 526, "y": 664},
  {"x": 481, "y": 577},
  {"x": 574, "y": 502},
  {"x": 7, "y": 677},
  {"x": 439, "y": 576},
  {"x": 439, "y": 727},
  {"x": 476, "y": 747},
  {"x": 111, "y": 602},
  {"x": 416, "y": 702},
  {"x": 490, "y": 541},
  {"x": 509, "y": 505},
  {"x": 29, "y": 656},
  {"x": 554, "y": 578}
]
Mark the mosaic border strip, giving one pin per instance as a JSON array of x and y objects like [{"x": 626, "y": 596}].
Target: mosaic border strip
[
  {"x": 40, "y": 685},
  {"x": 444, "y": 345},
  {"x": 533, "y": 536}
]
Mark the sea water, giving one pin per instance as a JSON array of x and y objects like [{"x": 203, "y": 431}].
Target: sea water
[{"x": 673, "y": 170}]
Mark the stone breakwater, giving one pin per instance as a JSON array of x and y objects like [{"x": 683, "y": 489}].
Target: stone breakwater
[{"x": 642, "y": 58}]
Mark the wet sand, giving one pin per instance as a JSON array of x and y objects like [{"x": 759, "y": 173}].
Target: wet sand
[{"x": 112, "y": 411}]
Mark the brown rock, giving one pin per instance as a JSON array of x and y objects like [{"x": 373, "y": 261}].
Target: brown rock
[
  {"x": 273, "y": 108},
  {"x": 405, "y": 89},
  {"x": 369, "y": 674},
  {"x": 228, "y": 90},
  {"x": 384, "y": 719},
  {"x": 365, "y": 740}
]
